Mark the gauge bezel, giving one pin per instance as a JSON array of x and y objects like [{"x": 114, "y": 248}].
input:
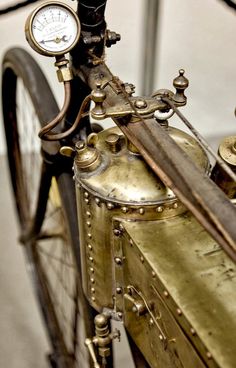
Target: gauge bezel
[{"x": 29, "y": 33}]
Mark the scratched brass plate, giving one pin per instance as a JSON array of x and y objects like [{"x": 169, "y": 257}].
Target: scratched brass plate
[{"x": 189, "y": 286}]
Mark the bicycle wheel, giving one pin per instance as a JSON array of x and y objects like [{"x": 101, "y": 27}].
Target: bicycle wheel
[{"x": 28, "y": 103}]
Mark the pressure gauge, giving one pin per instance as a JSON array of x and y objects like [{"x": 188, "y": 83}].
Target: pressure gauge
[{"x": 52, "y": 29}]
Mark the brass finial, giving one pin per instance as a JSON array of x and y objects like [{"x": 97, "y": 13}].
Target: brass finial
[
  {"x": 98, "y": 96},
  {"x": 180, "y": 83}
]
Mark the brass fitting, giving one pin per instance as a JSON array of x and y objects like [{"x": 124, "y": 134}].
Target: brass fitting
[
  {"x": 102, "y": 339},
  {"x": 64, "y": 72},
  {"x": 87, "y": 158}
]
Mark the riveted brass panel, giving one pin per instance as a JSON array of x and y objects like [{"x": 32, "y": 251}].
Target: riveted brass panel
[{"x": 188, "y": 283}]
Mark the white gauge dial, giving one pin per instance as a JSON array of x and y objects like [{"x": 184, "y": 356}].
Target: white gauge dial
[{"x": 53, "y": 29}]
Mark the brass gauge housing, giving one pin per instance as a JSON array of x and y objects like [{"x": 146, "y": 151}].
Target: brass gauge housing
[{"x": 52, "y": 29}]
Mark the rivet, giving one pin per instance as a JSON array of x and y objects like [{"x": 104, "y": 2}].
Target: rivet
[
  {"x": 193, "y": 332},
  {"x": 153, "y": 274},
  {"x": 90, "y": 247},
  {"x": 88, "y": 213},
  {"x": 86, "y": 200},
  {"x": 124, "y": 209},
  {"x": 175, "y": 205},
  {"x": 141, "y": 211},
  {"x": 131, "y": 242},
  {"x": 160, "y": 209},
  {"x": 97, "y": 200},
  {"x": 92, "y": 280},
  {"x": 118, "y": 290},
  {"x": 91, "y": 269},
  {"x": 93, "y": 298},
  {"x": 142, "y": 259},
  {"x": 110, "y": 206},
  {"x": 86, "y": 194},
  {"x": 117, "y": 232},
  {"x": 74, "y": 178},
  {"x": 92, "y": 290},
  {"x": 151, "y": 322},
  {"x": 140, "y": 103},
  {"x": 120, "y": 315},
  {"x": 179, "y": 312},
  {"x": 89, "y": 235},
  {"x": 166, "y": 294},
  {"x": 91, "y": 259},
  {"x": 88, "y": 223},
  {"x": 161, "y": 337},
  {"x": 209, "y": 356},
  {"x": 118, "y": 261},
  {"x": 134, "y": 309}
]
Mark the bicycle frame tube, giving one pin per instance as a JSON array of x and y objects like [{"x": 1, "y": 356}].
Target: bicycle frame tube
[{"x": 91, "y": 15}]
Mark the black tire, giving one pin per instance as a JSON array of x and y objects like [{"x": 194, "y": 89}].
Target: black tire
[{"x": 53, "y": 253}]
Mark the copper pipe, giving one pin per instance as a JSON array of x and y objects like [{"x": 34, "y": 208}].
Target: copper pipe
[
  {"x": 49, "y": 126},
  {"x": 58, "y": 136}
]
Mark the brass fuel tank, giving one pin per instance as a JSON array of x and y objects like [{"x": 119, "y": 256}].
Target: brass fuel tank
[
  {"x": 113, "y": 181},
  {"x": 148, "y": 260}
]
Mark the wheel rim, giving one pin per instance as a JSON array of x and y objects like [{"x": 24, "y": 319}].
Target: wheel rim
[{"x": 54, "y": 254}]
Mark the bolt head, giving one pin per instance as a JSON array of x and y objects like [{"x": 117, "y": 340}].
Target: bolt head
[{"x": 140, "y": 104}]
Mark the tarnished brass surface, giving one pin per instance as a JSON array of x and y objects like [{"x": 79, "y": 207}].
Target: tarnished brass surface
[
  {"x": 124, "y": 177},
  {"x": 189, "y": 285},
  {"x": 196, "y": 191},
  {"x": 227, "y": 151},
  {"x": 121, "y": 186}
]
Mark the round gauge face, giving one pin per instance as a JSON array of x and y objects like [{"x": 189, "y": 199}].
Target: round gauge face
[{"x": 53, "y": 29}]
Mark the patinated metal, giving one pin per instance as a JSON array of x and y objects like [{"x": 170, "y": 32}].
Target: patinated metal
[
  {"x": 227, "y": 151},
  {"x": 184, "y": 273},
  {"x": 147, "y": 258},
  {"x": 165, "y": 159}
]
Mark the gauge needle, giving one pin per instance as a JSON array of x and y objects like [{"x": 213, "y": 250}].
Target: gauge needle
[{"x": 56, "y": 40}]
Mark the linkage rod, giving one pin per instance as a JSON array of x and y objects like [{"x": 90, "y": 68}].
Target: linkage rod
[{"x": 201, "y": 140}]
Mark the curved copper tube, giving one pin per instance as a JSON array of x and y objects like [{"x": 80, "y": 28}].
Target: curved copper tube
[
  {"x": 58, "y": 136},
  {"x": 49, "y": 126}
]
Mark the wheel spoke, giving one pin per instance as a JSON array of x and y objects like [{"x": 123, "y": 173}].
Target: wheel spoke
[{"x": 51, "y": 256}]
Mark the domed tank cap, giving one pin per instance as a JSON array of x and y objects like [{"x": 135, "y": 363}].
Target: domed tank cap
[{"x": 87, "y": 158}]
